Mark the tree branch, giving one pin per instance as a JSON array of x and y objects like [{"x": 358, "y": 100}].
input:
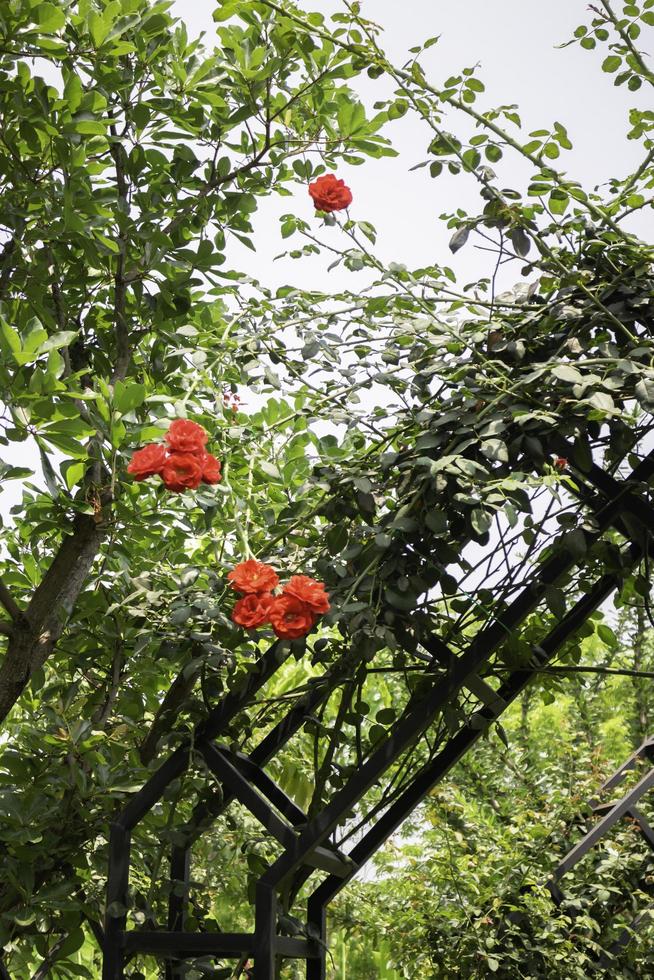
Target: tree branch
[
  {"x": 123, "y": 349},
  {"x": 174, "y": 699},
  {"x": 102, "y": 713},
  {"x": 619, "y": 671},
  {"x": 627, "y": 41},
  {"x": 39, "y": 628},
  {"x": 7, "y": 600}
]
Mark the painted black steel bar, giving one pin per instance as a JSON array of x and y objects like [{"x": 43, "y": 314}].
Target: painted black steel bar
[
  {"x": 621, "y": 808},
  {"x": 208, "y": 811},
  {"x": 179, "y": 879},
  {"x": 317, "y": 923},
  {"x": 240, "y": 788},
  {"x": 265, "y": 912},
  {"x": 627, "y": 933},
  {"x": 259, "y": 778},
  {"x": 280, "y": 734},
  {"x": 4, "y": 972},
  {"x": 620, "y": 774},
  {"x": 608, "y": 485},
  {"x": 230, "y": 945},
  {"x": 180, "y": 862},
  {"x": 441, "y": 654},
  {"x": 151, "y": 792},
  {"x": 643, "y": 825},
  {"x": 414, "y": 722},
  {"x": 116, "y": 913},
  {"x": 209, "y": 728}
]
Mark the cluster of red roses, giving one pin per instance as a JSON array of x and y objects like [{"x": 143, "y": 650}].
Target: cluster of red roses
[
  {"x": 330, "y": 194},
  {"x": 291, "y": 614},
  {"x": 183, "y": 464}
]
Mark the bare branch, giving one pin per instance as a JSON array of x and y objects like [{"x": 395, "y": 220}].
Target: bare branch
[{"x": 123, "y": 349}]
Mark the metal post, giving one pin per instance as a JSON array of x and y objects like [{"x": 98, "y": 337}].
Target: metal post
[
  {"x": 317, "y": 928},
  {"x": 113, "y": 965},
  {"x": 265, "y": 934},
  {"x": 180, "y": 861}
]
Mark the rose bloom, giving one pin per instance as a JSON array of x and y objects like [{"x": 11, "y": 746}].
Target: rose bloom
[
  {"x": 148, "y": 461},
  {"x": 185, "y": 436},
  {"x": 252, "y": 610},
  {"x": 253, "y": 576},
  {"x": 308, "y": 591},
  {"x": 182, "y": 471},
  {"x": 330, "y": 194},
  {"x": 210, "y": 469},
  {"x": 289, "y": 617}
]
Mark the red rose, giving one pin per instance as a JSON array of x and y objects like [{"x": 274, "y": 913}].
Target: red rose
[
  {"x": 185, "y": 436},
  {"x": 330, "y": 194},
  {"x": 210, "y": 469},
  {"x": 148, "y": 461},
  {"x": 309, "y": 591},
  {"x": 252, "y": 610},
  {"x": 560, "y": 462},
  {"x": 182, "y": 471},
  {"x": 253, "y": 576},
  {"x": 290, "y": 617}
]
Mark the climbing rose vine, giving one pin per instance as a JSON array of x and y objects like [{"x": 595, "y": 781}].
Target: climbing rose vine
[
  {"x": 291, "y": 614},
  {"x": 253, "y": 576},
  {"x": 183, "y": 464},
  {"x": 330, "y": 194}
]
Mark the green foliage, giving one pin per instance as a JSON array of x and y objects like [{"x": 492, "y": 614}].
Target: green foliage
[
  {"x": 397, "y": 439},
  {"x": 461, "y": 892}
]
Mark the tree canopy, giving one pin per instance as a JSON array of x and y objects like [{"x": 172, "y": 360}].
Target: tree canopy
[{"x": 412, "y": 442}]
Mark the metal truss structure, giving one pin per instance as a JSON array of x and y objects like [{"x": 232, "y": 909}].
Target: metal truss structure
[
  {"x": 310, "y": 863},
  {"x": 610, "y": 813}
]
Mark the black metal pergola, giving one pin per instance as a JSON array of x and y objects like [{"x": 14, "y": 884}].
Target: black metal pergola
[
  {"x": 310, "y": 860},
  {"x": 606, "y": 814}
]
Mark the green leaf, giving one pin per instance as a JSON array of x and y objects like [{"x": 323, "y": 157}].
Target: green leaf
[
  {"x": 10, "y": 337},
  {"x": 436, "y": 521},
  {"x": 73, "y": 473},
  {"x": 459, "y": 238},
  {"x": 496, "y": 450},
  {"x": 128, "y": 396},
  {"x": 49, "y": 17},
  {"x": 270, "y": 470},
  {"x": 555, "y": 600},
  {"x": 611, "y": 63},
  {"x": 567, "y": 373},
  {"x": 575, "y": 543},
  {"x": 644, "y": 391},
  {"x": 481, "y": 521}
]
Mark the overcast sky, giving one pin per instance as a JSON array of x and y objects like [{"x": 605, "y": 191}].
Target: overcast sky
[{"x": 514, "y": 43}]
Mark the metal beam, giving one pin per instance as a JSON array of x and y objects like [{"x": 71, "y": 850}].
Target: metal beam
[{"x": 621, "y": 808}]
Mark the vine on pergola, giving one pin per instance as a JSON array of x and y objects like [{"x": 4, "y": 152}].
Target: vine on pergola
[{"x": 436, "y": 495}]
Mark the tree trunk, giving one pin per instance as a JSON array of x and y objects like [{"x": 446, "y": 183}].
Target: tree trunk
[{"x": 36, "y": 631}]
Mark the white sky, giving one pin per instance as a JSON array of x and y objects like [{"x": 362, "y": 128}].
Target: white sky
[{"x": 514, "y": 42}]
